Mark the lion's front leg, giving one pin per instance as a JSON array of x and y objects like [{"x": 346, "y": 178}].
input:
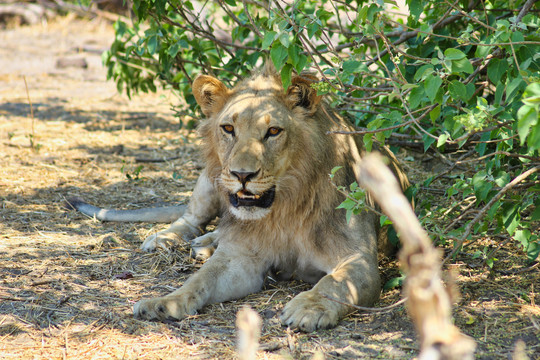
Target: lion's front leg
[
  {"x": 203, "y": 207},
  {"x": 354, "y": 281},
  {"x": 229, "y": 274}
]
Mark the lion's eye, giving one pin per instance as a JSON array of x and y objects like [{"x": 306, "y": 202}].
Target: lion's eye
[
  {"x": 273, "y": 131},
  {"x": 229, "y": 129}
]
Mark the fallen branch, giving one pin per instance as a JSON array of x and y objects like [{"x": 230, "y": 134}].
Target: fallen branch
[
  {"x": 30, "y": 13},
  {"x": 429, "y": 302}
]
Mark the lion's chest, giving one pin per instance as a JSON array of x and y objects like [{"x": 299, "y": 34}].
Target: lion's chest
[{"x": 300, "y": 262}]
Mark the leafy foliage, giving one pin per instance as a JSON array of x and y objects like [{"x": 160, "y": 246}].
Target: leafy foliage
[{"x": 459, "y": 80}]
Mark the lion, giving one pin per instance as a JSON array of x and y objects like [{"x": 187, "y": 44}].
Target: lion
[{"x": 268, "y": 155}]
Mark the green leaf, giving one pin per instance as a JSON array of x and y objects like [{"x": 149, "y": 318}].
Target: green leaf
[
  {"x": 394, "y": 283},
  {"x": 496, "y": 69},
  {"x": 457, "y": 90},
  {"x": 415, "y": 97},
  {"x": 502, "y": 178},
  {"x": 531, "y": 95},
  {"x": 470, "y": 90},
  {"x": 434, "y": 114},
  {"x": 152, "y": 44},
  {"x": 499, "y": 92},
  {"x": 351, "y": 66},
  {"x": 533, "y": 141},
  {"x": 431, "y": 86},
  {"x": 454, "y": 54},
  {"x": 428, "y": 140},
  {"x": 384, "y": 220},
  {"x": 533, "y": 250},
  {"x": 527, "y": 117},
  {"x": 334, "y": 170},
  {"x": 423, "y": 71},
  {"x": 286, "y": 73},
  {"x": 368, "y": 142},
  {"x": 511, "y": 218},
  {"x": 313, "y": 28},
  {"x": 173, "y": 49},
  {"x": 362, "y": 14},
  {"x": 294, "y": 54},
  {"x": 278, "y": 53},
  {"x": 372, "y": 10},
  {"x": 517, "y": 37},
  {"x": 481, "y": 186},
  {"x": 301, "y": 63},
  {"x": 268, "y": 39},
  {"x": 348, "y": 216},
  {"x": 462, "y": 65},
  {"x": 442, "y": 139},
  {"x": 490, "y": 262},
  {"x": 523, "y": 236},
  {"x": 392, "y": 235},
  {"x": 513, "y": 87},
  {"x": 535, "y": 216},
  {"x": 347, "y": 204},
  {"x": 285, "y": 39},
  {"x": 415, "y": 8}
]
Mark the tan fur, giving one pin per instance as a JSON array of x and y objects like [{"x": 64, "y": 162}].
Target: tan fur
[{"x": 301, "y": 234}]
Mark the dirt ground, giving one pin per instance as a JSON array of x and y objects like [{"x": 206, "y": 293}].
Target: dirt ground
[{"x": 68, "y": 283}]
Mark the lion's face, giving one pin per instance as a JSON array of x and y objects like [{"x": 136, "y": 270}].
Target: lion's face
[
  {"x": 252, "y": 127},
  {"x": 252, "y": 141}
]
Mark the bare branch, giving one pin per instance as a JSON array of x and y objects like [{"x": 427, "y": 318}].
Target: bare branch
[
  {"x": 524, "y": 10},
  {"x": 429, "y": 303},
  {"x": 248, "y": 324}
]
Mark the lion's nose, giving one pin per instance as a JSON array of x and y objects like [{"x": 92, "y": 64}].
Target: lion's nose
[{"x": 244, "y": 176}]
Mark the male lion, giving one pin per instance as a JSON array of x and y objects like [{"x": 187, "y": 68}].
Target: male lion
[{"x": 268, "y": 157}]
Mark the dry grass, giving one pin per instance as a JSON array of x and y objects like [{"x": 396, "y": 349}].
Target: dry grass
[{"x": 67, "y": 283}]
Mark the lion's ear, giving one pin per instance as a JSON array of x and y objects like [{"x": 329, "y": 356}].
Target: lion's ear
[
  {"x": 210, "y": 93},
  {"x": 300, "y": 93}
]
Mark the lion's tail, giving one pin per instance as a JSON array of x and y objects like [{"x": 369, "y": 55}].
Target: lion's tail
[{"x": 164, "y": 214}]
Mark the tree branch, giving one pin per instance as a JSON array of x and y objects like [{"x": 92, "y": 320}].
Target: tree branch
[{"x": 429, "y": 303}]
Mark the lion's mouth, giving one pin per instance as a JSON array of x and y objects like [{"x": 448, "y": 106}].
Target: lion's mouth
[{"x": 245, "y": 198}]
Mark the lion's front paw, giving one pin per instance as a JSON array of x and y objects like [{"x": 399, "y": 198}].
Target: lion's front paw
[
  {"x": 308, "y": 312},
  {"x": 180, "y": 230},
  {"x": 164, "y": 308},
  {"x": 161, "y": 240},
  {"x": 204, "y": 246}
]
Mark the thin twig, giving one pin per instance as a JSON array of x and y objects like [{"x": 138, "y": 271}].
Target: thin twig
[
  {"x": 369, "y": 309},
  {"x": 363, "y": 132},
  {"x": 31, "y": 109},
  {"x": 505, "y": 153}
]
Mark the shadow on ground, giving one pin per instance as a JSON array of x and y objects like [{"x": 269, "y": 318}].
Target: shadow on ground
[{"x": 56, "y": 109}]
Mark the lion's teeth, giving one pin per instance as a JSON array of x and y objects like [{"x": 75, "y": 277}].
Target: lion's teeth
[{"x": 241, "y": 194}]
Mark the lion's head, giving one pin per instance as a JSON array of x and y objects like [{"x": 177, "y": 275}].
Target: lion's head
[{"x": 262, "y": 142}]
